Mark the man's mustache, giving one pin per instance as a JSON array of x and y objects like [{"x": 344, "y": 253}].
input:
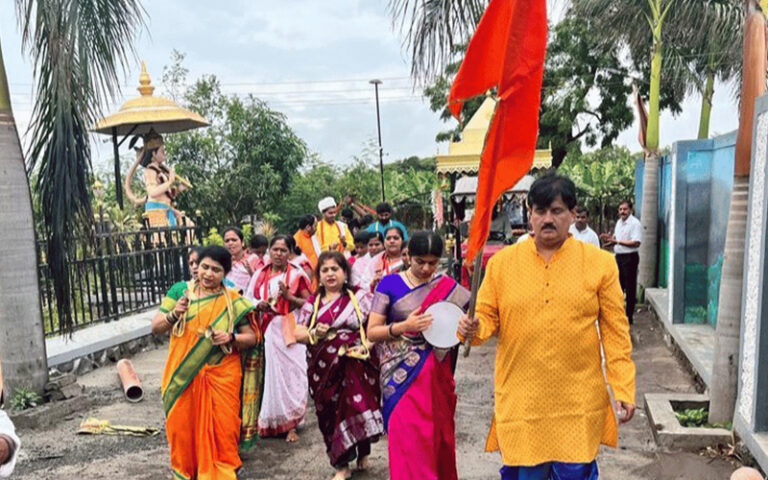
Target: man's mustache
[{"x": 549, "y": 226}]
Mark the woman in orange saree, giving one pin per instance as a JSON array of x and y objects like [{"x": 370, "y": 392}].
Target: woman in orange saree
[{"x": 210, "y": 382}]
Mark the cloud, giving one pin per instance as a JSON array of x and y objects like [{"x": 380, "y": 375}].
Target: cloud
[
  {"x": 311, "y": 60},
  {"x": 309, "y": 24}
]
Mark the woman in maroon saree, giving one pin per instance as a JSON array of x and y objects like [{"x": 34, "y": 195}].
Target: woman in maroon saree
[
  {"x": 343, "y": 379},
  {"x": 418, "y": 389}
]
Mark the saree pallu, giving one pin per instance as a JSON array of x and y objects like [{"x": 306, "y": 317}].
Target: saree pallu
[
  {"x": 418, "y": 389},
  {"x": 380, "y": 263},
  {"x": 252, "y": 389},
  {"x": 264, "y": 286},
  {"x": 209, "y": 397},
  {"x": 284, "y": 401},
  {"x": 239, "y": 275},
  {"x": 359, "y": 270},
  {"x": 284, "y": 397},
  {"x": 345, "y": 389}
]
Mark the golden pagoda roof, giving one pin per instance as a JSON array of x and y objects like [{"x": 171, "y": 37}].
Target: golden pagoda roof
[
  {"x": 139, "y": 115},
  {"x": 464, "y": 156}
]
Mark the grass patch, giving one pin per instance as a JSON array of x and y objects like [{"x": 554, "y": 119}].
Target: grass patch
[
  {"x": 697, "y": 417},
  {"x": 24, "y": 398}
]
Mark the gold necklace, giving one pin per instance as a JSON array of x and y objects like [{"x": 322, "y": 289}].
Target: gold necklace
[
  {"x": 329, "y": 298},
  {"x": 410, "y": 277},
  {"x": 329, "y": 302},
  {"x": 202, "y": 331},
  {"x": 205, "y": 292}
]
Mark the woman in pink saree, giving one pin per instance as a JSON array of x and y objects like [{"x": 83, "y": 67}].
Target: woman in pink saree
[
  {"x": 277, "y": 289},
  {"x": 343, "y": 379},
  {"x": 418, "y": 389}
]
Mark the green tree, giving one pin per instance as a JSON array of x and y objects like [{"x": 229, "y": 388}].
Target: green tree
[
  {"x": 696, "y": 54},
  {"x": 619, "y": 22},
  {"x": 408, "y": 184},
  {"x": 242, "y": 164},
  {"x": 585, "y": 90},
  {"x": 604, "y": 178},
  {"x": 318, "y": 180},
  {"x": 77, "y": 48}
]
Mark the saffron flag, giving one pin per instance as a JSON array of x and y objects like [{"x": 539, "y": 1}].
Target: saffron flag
[{"x": 507, "y": 52}]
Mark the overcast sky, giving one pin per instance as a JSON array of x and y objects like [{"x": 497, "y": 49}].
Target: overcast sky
[{"x": 312, "y": 61}]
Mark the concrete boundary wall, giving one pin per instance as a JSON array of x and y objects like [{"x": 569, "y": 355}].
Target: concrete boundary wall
[
  {"x": 701, "y": 183},
  {"x": 751, "y": 418},
  {"x": 100, "y": 344}
]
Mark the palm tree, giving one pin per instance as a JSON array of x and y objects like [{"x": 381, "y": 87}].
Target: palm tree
[
  {"x": 77, "y": 47},
  {"x": 621, "y": 19},
  {"x": 678, "y": 21},
  {"x": 433, "y": 29},
  {"x": 695, "y": 57},
  {"x": 725, "y": 376},
  {"x": 22, "y": 342}
]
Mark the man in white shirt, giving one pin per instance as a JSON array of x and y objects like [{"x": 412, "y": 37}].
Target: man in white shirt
[
  {"x": 626, "y": 239},
  {"x": 580, "y": 229},
  {"x": 9, "y": 442}
]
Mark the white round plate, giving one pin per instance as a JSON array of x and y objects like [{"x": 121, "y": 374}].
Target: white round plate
[{"x": 442, "y": 332}]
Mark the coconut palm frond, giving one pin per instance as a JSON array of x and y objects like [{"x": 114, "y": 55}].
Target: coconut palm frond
[
  {"x": 705, "y": 35},
  {"x": 697, "y": 35},
  {"x": 78, "y": 47},
  {"x": 618, "y": 20},
  {"x": 431, "y": 29}
]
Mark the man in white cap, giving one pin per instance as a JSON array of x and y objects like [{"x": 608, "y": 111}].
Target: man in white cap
[
  {"x": 331, "y": 234},
  {"x": 9, "y": 442}
]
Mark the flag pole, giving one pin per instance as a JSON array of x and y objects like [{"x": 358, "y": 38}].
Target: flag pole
[{"x": 475, "y": 288}]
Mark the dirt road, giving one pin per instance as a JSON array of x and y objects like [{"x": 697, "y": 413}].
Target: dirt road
[{"x": 59, "y": 454}]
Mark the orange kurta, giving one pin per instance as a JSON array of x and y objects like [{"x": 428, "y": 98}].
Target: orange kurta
[
  {"x": 201, "y": 391},
  {"x": 304, "y": 242},
  {"x": 551, "y": 400}
]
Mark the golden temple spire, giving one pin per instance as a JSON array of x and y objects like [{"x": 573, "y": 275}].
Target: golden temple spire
[{"x": 145, "y": 83}]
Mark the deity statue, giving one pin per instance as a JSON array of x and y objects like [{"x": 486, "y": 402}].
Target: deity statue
[{"x": 161, "y": 183}]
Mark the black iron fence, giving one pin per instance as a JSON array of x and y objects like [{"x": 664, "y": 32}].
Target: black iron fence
[{"x": 117, "y": 273}]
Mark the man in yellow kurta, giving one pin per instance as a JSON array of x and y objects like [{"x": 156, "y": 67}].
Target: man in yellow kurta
[
  {"x": 541, "y": 297},
  {"x": 331, "y": 234}
]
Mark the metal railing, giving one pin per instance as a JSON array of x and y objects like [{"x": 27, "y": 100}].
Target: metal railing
[{"x": 116, "y": 273}]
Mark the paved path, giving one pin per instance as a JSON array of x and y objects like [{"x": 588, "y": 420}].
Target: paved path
[{"x": 59, "y": 454}]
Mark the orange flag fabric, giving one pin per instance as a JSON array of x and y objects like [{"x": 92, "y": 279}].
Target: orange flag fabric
[{"x": 507, "y": 52}]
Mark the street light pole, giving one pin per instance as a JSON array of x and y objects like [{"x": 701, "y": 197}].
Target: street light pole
[{"x": 376, "y": 82}]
